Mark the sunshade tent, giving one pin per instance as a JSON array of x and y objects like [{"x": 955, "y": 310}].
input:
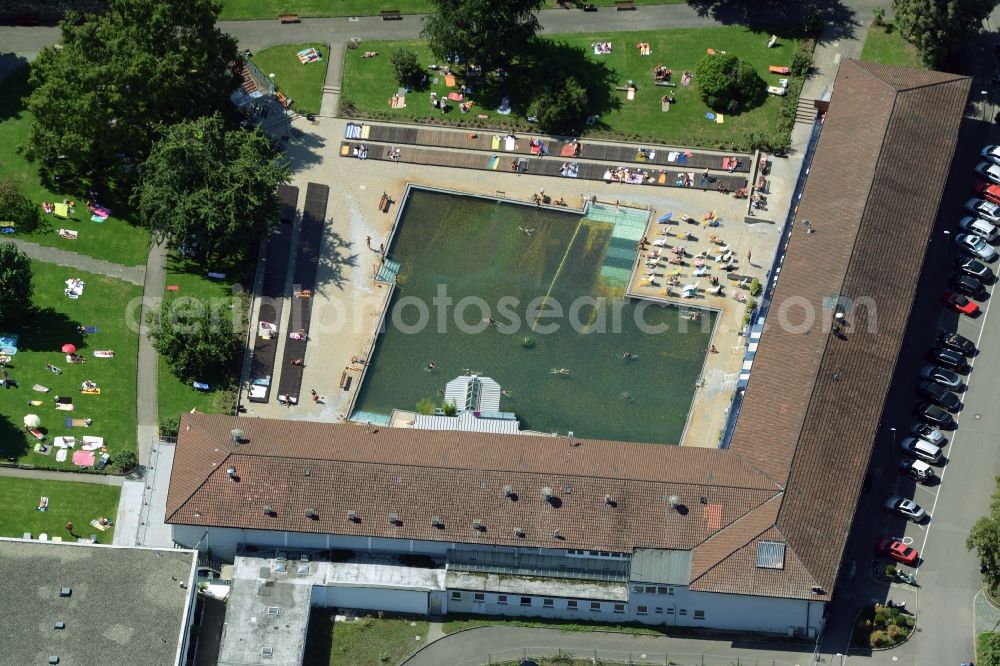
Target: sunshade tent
[
  {"x": 69, "y": 348},
  {"x": 32, "y": 421}
]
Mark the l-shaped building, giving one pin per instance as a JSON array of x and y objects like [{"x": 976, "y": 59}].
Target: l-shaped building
[{"x": 748, "y": 537}]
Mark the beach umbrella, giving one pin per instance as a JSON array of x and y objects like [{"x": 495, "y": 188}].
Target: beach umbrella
[
  {"x": 69, "y": 348},
  {"x": 32, "y": 421}
]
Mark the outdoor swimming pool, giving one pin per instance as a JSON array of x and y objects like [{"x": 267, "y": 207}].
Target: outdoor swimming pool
[{"x": 465, "y": 260}]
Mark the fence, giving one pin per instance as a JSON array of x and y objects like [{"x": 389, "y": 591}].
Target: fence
[{"x": 555, "y": 655}]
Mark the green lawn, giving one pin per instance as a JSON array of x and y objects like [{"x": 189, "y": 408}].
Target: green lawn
[
  {"x": 460, "y": 622},
  {"x": 114, "y": 240},
  {"x": 112, "y": 306},
  {"x": 268, "y": 9},
  {"x": 78, "y": 503},
  {"x": 885, "y": 45},
  {"x": 175, "y": 396},
  {"x": 302, "y": 83},
  {"x": 370, "y": 641},
  {"x": 368, "y": 84}
]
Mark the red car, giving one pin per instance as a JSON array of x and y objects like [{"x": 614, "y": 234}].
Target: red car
[
  {"x": 898, "y": 551},
  {"x": 961, "y": 304},
  {"x": 988, "y": 191}
]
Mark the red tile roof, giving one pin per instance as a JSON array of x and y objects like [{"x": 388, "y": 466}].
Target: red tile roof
[{"x": 800, "y": 448}]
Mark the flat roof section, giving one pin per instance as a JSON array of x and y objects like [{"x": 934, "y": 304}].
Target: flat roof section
[{"x": 126, "y": 606}]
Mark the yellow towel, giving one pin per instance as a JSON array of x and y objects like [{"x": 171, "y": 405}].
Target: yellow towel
[
  {"x": 366, "y": 130},
  {"x": 719, "y": 119}
]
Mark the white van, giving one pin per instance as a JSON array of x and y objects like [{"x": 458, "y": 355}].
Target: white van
[{"x": 979, "y": 227}]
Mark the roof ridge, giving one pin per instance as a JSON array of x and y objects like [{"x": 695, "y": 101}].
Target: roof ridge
[
  {"x": 876, "y": 69},
  {"x": 186, "y": 420},
  {"x": 731, "y": 527}
]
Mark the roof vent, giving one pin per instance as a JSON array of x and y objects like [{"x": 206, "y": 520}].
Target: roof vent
[
  {"x": 556, "y": 534},
  {"x": 53, "y": 659},
  {"x": 508, "y": 491},
  {"x": 816, "y": 589},
  {"x": 610, "y": 501},
  {"x": 703, "y": 499},
  {"x": 66, "y": 592},
  {"x": 273, "y": 610},
  {"x": 352, "y": 516},
  {"x": 267, "y": 651},
  {"x": 437, "y": 522},
  {"x": 395, "y": 519},
  {"x": 306, "y": 472},
  {"x": 268, "y": 511},
  {"x": 519, "y": 532},
  {"x": 674, "y": 501},
  {"x": 231, "y": 471},
  {"x": 311, "y": 513},
  {"x": 477, "y": 524},
  {"x": 59, "y": 625},
  {"x": 547, "y": 493},
  {"x": 237, "y": 435}
]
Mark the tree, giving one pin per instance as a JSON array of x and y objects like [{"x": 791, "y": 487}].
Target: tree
[
  {"x": 405, "y": 67},
  {"x": 939, "y": 27},
  {"x": 103, "y": 95},
  {"x": 560, "y": 110},
  {"x": 15, "y": 284},
  {"x": 728, "y": 84},
  {"x": 484, "y": 32},
  {"x": 197, "y": 338},
  {"x": 124, "y": 461},
  {"x": 208, "y": 189},
  {"x": 16, "y": 207},
  {"x": 984, "y": 538}
]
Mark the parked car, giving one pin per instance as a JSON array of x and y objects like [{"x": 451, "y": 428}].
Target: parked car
[
  {"x": 973, "y": 225},
  {"x": 986, "y": 210},
  {"x": 949, "y": 358},
  {"x": 917, "y": 470},
  {"x": 935, "y": 415},
  {"x": 929, "y": 433},
  {"x": 918, "y": 448},
  {"x": 957, "y": 342},
  {"x": 940, "y": 396},
  {"x": 988, "y": 191},
  {"x": 976, "y": 246},
  {"x": 991, "y": 153},
  {"x": 975, "y": 268},
  {"x": 946, "y": 378},
  {"x": 989, "y": 171},
  {"x": 960, "y": 303},
  {"x": 906, "y": 508},
  {"x": 897, "y": 550},
  {"x": 968, "y": 285}
]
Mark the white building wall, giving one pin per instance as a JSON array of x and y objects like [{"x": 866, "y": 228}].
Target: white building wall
[
  {"x": 374, "y": 599},
  {"x": 520, "y": 605}
]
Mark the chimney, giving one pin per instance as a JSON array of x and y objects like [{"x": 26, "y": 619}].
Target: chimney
[
  {"x": 674, "y": 501},
  {"x": 547, "y": 493},
  {"x": 519, "y": 532},
  {"x": 477, "y": 525},
  {"x": 609, "y": 500},
  {"x": 437, "y": 522},
  {"x": 311, "y": 513},
  {"x": 237, "y": 435},
  {"x": 231, "y": 471},
  {"x": 508, "y": 491},
  {"x": 268, "y": 511},
  {"x": 556, "y": 534},
  {"x": 394, "y": 519},
  {"x": 352, "y": 516}
]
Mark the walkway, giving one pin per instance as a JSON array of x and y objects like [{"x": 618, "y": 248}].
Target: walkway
[
  {"x": 98, "y": 479},
  {"x": 508, "y": 644},
  {"x": 52, "y": 255}
]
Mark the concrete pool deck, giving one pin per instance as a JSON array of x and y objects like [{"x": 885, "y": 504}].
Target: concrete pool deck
[{"x": 349, "y": 303}]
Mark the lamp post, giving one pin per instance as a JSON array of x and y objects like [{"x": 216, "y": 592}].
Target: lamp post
[
  {"x": 984, "y": 94},
  {"x": 893, "y": 430},
  {"x": 842, "y": 657},
  {"x": 947, "y": 246}
]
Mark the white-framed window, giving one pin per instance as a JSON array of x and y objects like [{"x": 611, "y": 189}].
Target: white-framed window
[
  {"x": 456, "y": 596},
  {"x": 650, "y": 589},
  {"x": 525, "y": 601},
  {"x": 699, "y": 615},
  {"x": 619, "y": 608},
  {"x": 595, "y": 606},
  {"x": 664, "y": 590},
  {"x": 571, "y": 604},
  {"x": 502, "y": 599},
  {"x": 642, "y": 610},
  {"x": 638, "y": 589},
  {"x": 479, "y": 597},
  {"x": 670, "y": 611},
  {"x": 548, "y": 603},
  {"x": 682, "y": 611}
]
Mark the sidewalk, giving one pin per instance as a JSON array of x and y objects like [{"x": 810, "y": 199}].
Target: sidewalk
[
  {"x": 52, "y": 255},
  {"x": 74, "y": 477}
]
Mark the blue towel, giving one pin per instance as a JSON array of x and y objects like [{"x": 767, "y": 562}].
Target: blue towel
[
  {"x": 200, "y": 386},
  {"x": 710, "y": 115},
  {"x": 69, "y": 423},
  {"x": 90, "y": 330}
]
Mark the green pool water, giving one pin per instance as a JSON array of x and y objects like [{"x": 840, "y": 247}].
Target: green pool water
[{"x": 471, "y": 247}]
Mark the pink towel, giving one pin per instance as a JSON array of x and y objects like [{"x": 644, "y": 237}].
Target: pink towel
[{"x": 83, "y": 458}]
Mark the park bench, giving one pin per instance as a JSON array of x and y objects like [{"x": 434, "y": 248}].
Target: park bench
[
  {"x": 624, "y": 5},
  {"x": 289, "y": 18},
  {"x": 391, "y": 15}
]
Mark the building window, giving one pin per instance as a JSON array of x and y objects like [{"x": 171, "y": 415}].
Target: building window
[
  {"x": 642, "y": 610},
  {"x": 670, "y": 591},
  {"x": 479, "y": 597},
  {"x": 595, "y": 606},
  {"x": 456, "y": 596},
  {"x": 682, "y": 611},
  {"x": 548, "y": 603},
  {"x": 525, "y": 601},
  {"x": 699, "y": 615},
  {"x": 664, "y": 590},
  {"x": 650, "y": 589},
  {"x": 637, "y": 589},
  {"x": 619, "y": 608},
  {"x": 502, "y": 599},
  {"x": 670, "y": 611},
  {"x": 571, "y": 604}
]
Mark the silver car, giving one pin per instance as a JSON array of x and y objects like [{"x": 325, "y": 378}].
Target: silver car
[
  {"x": 986, "y": 210},
  {"x": 906, "y": 508},
  {"x": 977, "y": 246},
  {"x": 918, "y": 448},
  {"x": 989, "y": 171},
  {"x": 929, "y": 433}
]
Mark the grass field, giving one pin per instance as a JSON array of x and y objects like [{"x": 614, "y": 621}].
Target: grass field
[
  {"x": 370, "y": 641},
  {"x": 233, "y": 10},
  {"x": 78, "y": 503},
  {"x": 303, "y": 83},
  {"x": 884, "y": 44},
  {"x": 107, "y": 304},
  {"x": 114, "y": 240},
  {"x": 175, "y": 396},
  {"x": 368, "y": 84}
]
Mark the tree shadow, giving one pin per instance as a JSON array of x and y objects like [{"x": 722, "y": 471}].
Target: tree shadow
[
  {"x": 13, "y": 444},
  {"x": 338, "y": 255},
  {"x": 785, "y": 19},
  {"x": 303, "y": 145},
  {"x": 14, "y": 84},
  {"x": 48, "y": 330}
]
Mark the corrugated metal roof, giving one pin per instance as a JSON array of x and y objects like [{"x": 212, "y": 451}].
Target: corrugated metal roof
[
  {"x": 669, "y": 567},
  {"x": 473, "y": 393},
  {"x": 467, "y": 422}
]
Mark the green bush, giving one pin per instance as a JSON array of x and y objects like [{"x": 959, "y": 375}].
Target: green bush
[
  {"x": 728, "y": 84},
  {"x": 124, "y": 461},
  {"x": 879, "y": 15},
  {"x": 169, "y": 425},
  {"x": 406, "y": 67},
  {"x": 16, "y": 207},
  {"x": 802, "y": 60},
  {"x": 755, "y": 287},
  {"x": 449, "y": 408},
  {"x": 425, "y": 406}
]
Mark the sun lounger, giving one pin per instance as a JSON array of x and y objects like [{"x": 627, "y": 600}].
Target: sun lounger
[
  {"x": 495, "y": 143},
  {"x": 775, "y": 69},
  {"x": 37, "y": 434},
  {"x": 66, "y": 407},
  {"x": 510, "y": 144},
  {"x": 90, "y": 330},
  {"x": 40, "y": 388},
  {"x": 93, "y": 391},
  {"x": 494, "y": 162},
  {"x": 103, "y": 353},
  {"x": 776, "y": 90}
]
